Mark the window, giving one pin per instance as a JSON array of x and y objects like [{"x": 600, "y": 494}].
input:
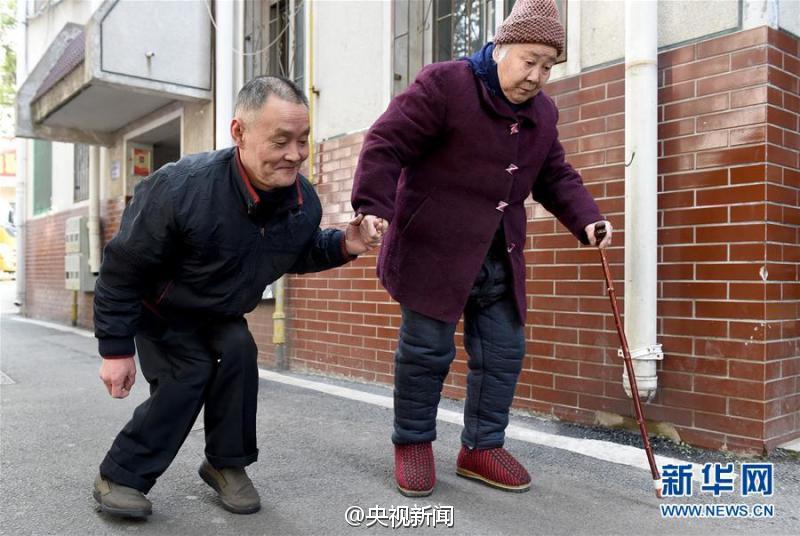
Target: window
[
  {"x": 426, "y": 31},
  {"x": 461, "y": 27},
  {"x": 274, "y": 40},
  {"x": 407, "y": 42},
  {"x": 42, "y": 176},
  {"x": 437, "y": 30},
  {"x": 81, "y": 174},
  {"x": 278, "y": 39},
  {"x": 299, "y": 65}
]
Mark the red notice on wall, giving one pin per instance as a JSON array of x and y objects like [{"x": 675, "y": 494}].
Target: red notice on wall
[{"x": 141, "y": 162}]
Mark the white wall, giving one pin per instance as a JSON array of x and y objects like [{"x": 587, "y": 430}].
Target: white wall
[
  {"x": 179, "y": 53},
  {"x": 789, "y": 15},
  {"x": 350, "y": 66},
  {"x": 63, "y": 176},
  {"x": 353, "y": 48},
  {"x": 43, "y": 28},
  {"x": 603, "y": 34}
]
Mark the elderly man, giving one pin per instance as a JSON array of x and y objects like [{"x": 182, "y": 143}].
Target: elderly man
[
  {"x": 197, "y": 246},
  {"x": 450, "y": 165}
]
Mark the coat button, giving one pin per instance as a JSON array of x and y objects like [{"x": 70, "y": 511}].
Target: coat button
[
  {"x": 511, "y": 169},
  {"x": 513, "y": 128}
]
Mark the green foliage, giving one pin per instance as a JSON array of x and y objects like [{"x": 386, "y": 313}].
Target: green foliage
[{"x": 8, "y": 56}]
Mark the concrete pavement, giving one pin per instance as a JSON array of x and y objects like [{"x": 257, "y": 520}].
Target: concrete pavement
[{"x": 321, "y": 454}]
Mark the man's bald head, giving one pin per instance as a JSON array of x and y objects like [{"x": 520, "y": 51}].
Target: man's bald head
[{"x": 254, "y": 94}]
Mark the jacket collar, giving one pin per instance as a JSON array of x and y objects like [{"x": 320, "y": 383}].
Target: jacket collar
[
  {"x": 284, "y": 198},
  {"x": 499, "y": 107},
  {"x": 484, "y": 69}
]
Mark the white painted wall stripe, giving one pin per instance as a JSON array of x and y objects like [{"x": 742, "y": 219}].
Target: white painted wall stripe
[{"x": 53, "y": 325}]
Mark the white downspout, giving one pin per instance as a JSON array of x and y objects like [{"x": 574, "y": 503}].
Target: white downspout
[
  {"x": 224, "y": 79},
  {"x": 94, "y": 209},
  {"x": 21, "y": 209},
  {"x": 641, "y": 193}
]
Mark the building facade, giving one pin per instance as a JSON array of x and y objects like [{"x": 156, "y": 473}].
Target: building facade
[{"x": 728, "y": 185}]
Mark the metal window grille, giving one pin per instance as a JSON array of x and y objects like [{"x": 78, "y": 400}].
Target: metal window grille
[
  {"x": 409, "y": 23},
  {"x": 461, "y": 27},
  {"x": 274, "y": 40},
  {"x": 81, "y": 174},
  {"x": 454, "y": 29},
  {"x": 298, "y": 65}
]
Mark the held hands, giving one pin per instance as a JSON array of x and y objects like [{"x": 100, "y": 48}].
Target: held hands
[
  {"x": 590, "y": 233},
  {"x": 119, "y": 375},
  {"x": 364, "y": 233}
]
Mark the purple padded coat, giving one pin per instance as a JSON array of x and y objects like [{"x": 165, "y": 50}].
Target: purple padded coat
[{"x": 446, "y": 164}]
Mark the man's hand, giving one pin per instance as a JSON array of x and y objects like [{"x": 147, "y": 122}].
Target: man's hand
[
  {"x": 364, "y": 233},
  {"x": 593, "y": 240},
  {"x": 119, "y": 375}
]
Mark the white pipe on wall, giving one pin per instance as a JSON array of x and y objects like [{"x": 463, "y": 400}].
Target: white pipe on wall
[
  {"x": 224, "y": 79},
  {"x": 641, "y": 192}
]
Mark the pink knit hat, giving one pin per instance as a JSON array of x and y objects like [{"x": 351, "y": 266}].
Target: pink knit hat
[{"x": 532, "y": 21}]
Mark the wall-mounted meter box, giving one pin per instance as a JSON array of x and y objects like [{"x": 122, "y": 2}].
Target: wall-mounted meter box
[{"x": 76, "y": 259}]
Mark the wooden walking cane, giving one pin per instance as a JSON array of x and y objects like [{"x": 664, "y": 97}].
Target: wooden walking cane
[{"x": 600, "y": 233}]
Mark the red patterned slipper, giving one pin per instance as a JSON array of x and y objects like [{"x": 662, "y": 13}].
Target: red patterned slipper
[
  {"x": 414, "y": 469},
  {"x": 494, "y": 467}
]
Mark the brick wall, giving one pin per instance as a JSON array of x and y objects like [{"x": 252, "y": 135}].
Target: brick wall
[
  {"x": 342, "y": 321},
  {"x": 46, "y": 296},
  {"x": 728, "y": 255}
]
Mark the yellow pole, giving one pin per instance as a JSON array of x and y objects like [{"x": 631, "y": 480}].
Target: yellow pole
[
  {"x": 279, "y": 316},
  {"x": 312, "y": 93},
  {"x": 278, "y": 326},
  {"x": 73, "y": 316}
]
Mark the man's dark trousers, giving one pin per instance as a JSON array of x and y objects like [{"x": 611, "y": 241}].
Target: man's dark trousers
[
  {"x": 495, "y": 341},
  {"x": 211, "y": 363}
]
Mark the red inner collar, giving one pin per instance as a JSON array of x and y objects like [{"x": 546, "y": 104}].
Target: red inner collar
[
  {"x": 248, "y": 183},
  {"x": 246, "y": 179}
]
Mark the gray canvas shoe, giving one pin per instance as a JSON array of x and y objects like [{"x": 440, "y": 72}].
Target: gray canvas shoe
[
  {"x": 119, "y": 500},
  {"x": 236, "y": 490}
]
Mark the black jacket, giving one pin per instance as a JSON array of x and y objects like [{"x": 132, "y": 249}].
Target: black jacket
[{"x": 197, "y": 242}]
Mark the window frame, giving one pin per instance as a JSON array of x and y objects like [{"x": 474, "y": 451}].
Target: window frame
[
  {"x": 421, "y": 47},
  {"x": 42, "y": 177},
  {"x": 274, "y": 40}
]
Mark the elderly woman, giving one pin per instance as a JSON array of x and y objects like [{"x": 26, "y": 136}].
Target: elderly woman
[{"x": 449, "y": 165}]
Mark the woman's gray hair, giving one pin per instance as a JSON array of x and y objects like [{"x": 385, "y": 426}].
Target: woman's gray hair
[
  {"x": 499, "y": 53},
  {"x": 255, "y": 93}
]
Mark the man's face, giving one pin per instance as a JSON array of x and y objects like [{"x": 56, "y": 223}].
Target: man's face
[
  {"x": 525, "y": 70},
  {"x": 273, "y": 142}
]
